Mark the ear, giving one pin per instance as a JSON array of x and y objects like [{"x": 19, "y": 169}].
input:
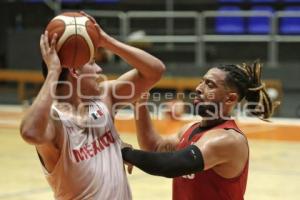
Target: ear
[
  {"x": 232, "y": 98},
  {"x": 74, "y": 73}
]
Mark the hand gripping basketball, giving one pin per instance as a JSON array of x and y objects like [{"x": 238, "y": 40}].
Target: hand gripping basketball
[
  {"x": 102, "y": 34},
  {"x": 77, "y": 38},
  {"x": 49, "y": 53}
]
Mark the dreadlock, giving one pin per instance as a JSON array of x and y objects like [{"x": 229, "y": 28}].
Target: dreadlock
[{"x": 246, "y": 79}]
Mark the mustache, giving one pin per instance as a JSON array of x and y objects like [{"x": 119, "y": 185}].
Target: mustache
[{"x": 199, "y": 96}]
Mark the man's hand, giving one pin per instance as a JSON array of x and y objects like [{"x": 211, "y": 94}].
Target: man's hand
[
  {"x": 49, "y": 53},
  {"x": 129, "y": 166},
  {"x": 102, "y": 35}
]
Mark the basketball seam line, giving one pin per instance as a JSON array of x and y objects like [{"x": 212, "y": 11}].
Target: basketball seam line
[{"x": 76, "y": 45}]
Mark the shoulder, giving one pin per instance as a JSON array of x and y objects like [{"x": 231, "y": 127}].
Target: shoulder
[
  {"x": 223, "y": 141},
  {"x": 220, "y": 147}
]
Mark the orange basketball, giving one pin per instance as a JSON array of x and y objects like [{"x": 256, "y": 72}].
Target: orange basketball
[{"x": 77, "y": 38}]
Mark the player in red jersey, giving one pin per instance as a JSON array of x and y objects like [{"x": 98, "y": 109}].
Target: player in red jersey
[{"x": 208, "y": 159}]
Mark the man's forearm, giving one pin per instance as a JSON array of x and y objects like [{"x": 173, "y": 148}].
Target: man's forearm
[
  {"x": 148, "y": 65},
  {"x": 147, "y": 137},
  {"x": 167, "y": 164},
  {"x": 36, "y": 119}
]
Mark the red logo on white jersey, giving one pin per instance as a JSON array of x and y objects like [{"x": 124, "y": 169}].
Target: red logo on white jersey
[
  {"x": 97, "y": 114},
  {"x": 92, "y": 149}
]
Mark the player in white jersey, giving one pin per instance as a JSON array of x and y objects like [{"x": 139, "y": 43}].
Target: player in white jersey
[{"x": 71, "y": 123}]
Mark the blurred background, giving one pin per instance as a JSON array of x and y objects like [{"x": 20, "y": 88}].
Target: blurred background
[{"x": 189, "y": 36}]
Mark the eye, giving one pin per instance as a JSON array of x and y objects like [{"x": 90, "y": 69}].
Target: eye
[{"x": 209, "y": 84}]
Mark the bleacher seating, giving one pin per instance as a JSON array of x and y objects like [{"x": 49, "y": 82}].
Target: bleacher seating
[
  {"x": 291, "y": 1},
  {"x": 290, "y": 25},
  {"x": 228, "y": 24},
  {"x": 231, "y": 1},
  {"x": 263, "y": 1},
  {"x": 259, "y": 24}
]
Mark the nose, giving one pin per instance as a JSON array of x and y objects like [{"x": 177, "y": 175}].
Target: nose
[{"x": 199, "y": 89}]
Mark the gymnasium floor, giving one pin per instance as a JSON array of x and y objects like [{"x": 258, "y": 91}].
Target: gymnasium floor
[{"x": 274, "y": 170}]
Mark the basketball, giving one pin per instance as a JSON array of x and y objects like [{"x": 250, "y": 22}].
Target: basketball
[{"x": 77, "y": 38}]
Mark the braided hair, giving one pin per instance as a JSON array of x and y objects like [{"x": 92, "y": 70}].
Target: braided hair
[{"x": 246, "y": 79}]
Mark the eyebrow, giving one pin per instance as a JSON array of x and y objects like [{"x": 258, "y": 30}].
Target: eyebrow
[{"x": 210, "y": 80}]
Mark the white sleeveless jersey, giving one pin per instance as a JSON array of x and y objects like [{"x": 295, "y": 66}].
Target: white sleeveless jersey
[{"x": 90, "y": 165}]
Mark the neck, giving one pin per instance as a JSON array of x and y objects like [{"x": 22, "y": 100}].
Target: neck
[
  {"x": 209, "y": 123},
  {"x": 73, "y": 100}
]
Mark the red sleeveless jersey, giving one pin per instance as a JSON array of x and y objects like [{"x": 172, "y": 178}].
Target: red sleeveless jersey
[{"x": 208, "y": 185}]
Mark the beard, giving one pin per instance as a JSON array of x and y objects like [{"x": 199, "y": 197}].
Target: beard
[{"x": 207, "y": 109}]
